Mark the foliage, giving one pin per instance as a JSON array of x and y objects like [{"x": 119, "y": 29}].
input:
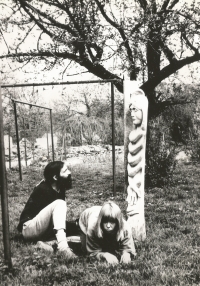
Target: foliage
[
  {"x": 86, "y": 118},
  {"x": 33, "y": 122},
  {"x": 169, "y": 255},
  {"x": 118, "y": 133},
  {"x": 149, "y": 40},
  {"x": 175, "y": 128},
  {"x": 181, "y": 124},
  {"x": 85, "y": 130},
  {"x": 92, "y": 130},
  {"x": 160, "y": 156},
  {"x": 194, "y": 149},
  {"x": 180, "y": 119}
]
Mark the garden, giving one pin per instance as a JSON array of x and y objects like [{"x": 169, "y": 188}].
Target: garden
[
  {"x": 168, "y": 256},
  {"x": 47, "y": 47}
]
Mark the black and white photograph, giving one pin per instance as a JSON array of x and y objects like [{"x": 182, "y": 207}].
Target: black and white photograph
[{"x": 100, "y": 142}]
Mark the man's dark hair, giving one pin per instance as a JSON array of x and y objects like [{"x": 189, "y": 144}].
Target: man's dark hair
[{"x": 51, "y": 170}]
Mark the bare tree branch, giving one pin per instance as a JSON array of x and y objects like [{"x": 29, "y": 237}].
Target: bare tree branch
[
  {"x": 165, "y": 4},
  {"x": 96, "y": 69},
  {"x": 54, "y": 22},
  {"x": 143, "y": 3},
  {"x": 5, "y": 41},
  {"x": 188, "y": 43},
  {"x": 168, "y": 53},
  {"x": 186, "y": 16},
  {"x": 174, "y": 2},
  {"x": 150, "y": 85},
  {"x": 88, "y": 33},
  {"x": 26, "y": 35},
  {"x": 65, "y": 55},
  {"x": 119, "y": 28}
]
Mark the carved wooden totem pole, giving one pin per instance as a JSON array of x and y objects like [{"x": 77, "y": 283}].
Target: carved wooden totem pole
[{"x": 136, "y": 108}]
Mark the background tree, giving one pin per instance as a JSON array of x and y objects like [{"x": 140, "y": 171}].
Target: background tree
[
  {"x": 84, "y": 113},
  {"x": 33, "y": 122},
  {"x": 150, "y": 40}
]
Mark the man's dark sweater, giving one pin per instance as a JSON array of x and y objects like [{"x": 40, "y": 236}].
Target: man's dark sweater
[{"x": 42, "y": 195}]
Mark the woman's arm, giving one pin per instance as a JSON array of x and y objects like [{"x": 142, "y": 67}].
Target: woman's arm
[
  {"x": 127, "y": 246},
  {"x": 94, "y": 249},
  {"x": 93, "y": 245}
]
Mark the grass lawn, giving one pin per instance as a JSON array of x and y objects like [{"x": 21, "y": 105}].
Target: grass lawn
[{"x": 169, "y": 256}]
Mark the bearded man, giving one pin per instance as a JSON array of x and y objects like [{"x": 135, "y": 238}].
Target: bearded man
[{"x": 44, "y": 214}]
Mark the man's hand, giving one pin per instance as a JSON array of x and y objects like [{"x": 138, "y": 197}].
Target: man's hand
[
  {"x": 125, "y": 258},
  {"x": 110, "y": 258}
]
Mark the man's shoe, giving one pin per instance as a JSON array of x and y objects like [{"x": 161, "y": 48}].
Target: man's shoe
[
  {"x": 48, "y": 246},
  {"x": 67, "y": 252}
]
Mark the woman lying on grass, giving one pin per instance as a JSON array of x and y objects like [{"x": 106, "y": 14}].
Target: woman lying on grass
[{"x": 105, "y": 234}]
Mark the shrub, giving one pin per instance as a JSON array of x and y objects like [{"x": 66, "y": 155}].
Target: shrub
[
  {"x": 195, "y": 150},
  {"x": 119, "y": 131},
  {"x": 160, "y": 158}
]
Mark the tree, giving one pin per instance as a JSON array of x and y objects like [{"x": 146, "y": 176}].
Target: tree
[
  {"x": 150, "y": 39},
  {"x": 87, "y": 114},
  {"x": 32, "y": 121}
]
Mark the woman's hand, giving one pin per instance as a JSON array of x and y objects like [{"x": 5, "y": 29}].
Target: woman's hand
[
  {"x": 125, "y": 258},
  {"x": 110, "y": 258}
]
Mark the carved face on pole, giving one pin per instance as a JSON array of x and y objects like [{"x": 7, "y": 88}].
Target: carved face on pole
[
  {"x": 136, "y": 115},
  {"x": 136, "y": 107}
]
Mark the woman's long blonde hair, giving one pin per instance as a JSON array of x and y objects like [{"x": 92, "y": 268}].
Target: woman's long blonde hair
[{"x": 112, "y": 211}]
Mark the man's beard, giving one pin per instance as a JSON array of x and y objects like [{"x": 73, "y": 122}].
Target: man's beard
[{"x": 64, "y": 183}]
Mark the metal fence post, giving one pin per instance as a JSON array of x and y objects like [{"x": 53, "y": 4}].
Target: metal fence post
[
  {"x": 52, "y": 135},
  {"x": 17, "y": 137},
  {"x": 47, "y": 145},
  {"x": 25, "y": 150},
  {"x": 9, "y": 149},
  {"x": 113, "y": 137},
  {"x": 3, "y": 190}
]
